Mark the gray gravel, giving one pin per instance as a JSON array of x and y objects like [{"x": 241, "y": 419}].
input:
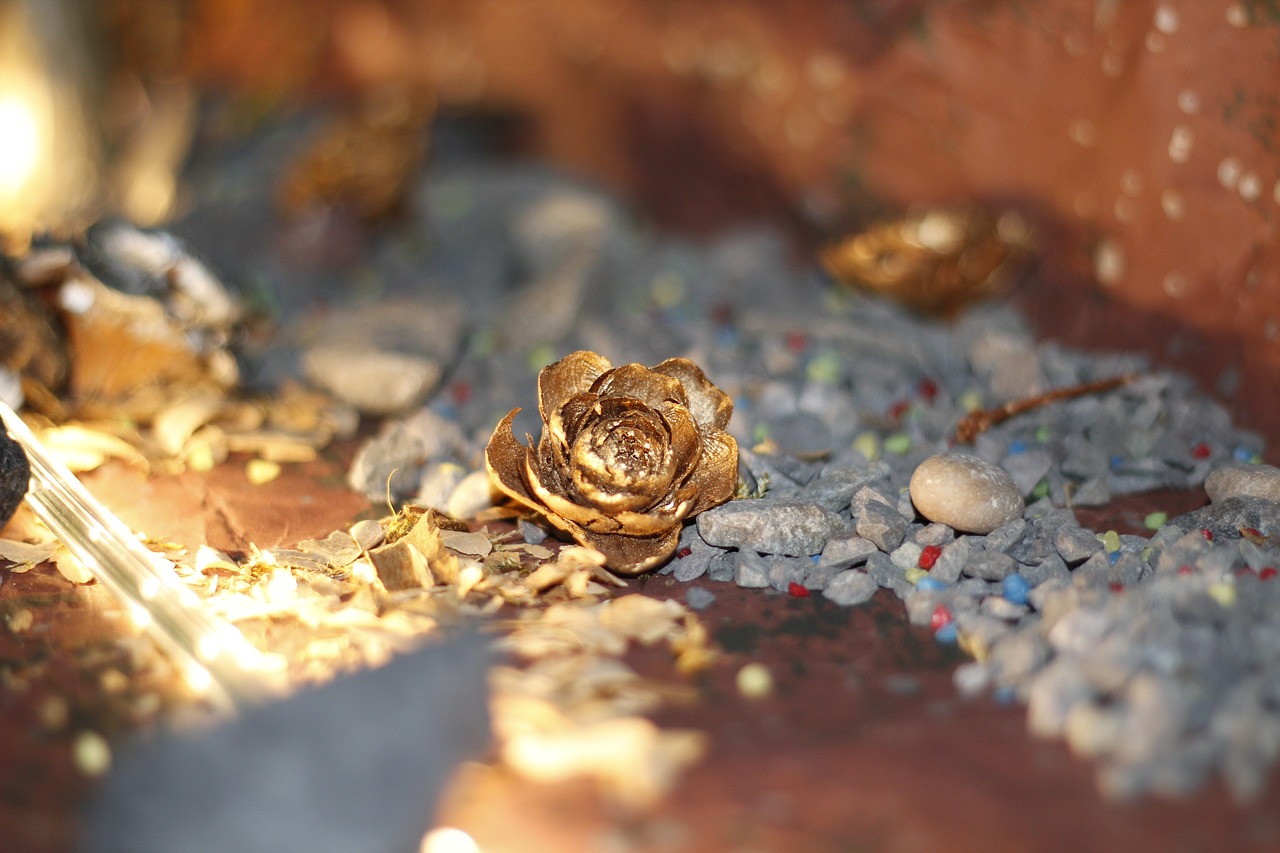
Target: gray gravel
[{"x": 1156, "y": 657}]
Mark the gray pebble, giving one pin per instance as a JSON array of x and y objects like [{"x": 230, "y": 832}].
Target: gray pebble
[
  {"x": 1052, "y": 566},
  {"x": 752, "y": 572},
  {"x": 951, "y": 562},
  {"x": 1092, "y": 492},
  {"x": 699, "y": 598},
  {"x": 933, "y": 534},
  {"x": 845, "y": 550},
  {"x": 835, "y": 488},
  {"x": 976, "y": 588},
  {"x": 1017, "y": 657},
  {"x": 965, "y": 492},
  {"x": 971, "y": 678},
  {"x": 695, "y": 562},
  {"x": 1027, "y": 468},
  {"x": 723, "y": 567},
  {"x": 784, "y": 571},
  {"x": 1006, "y": 535},
  {"x": 1076, "y": 544},
  {"x": 882, "y": 525},
  {"x": 1225, "y": 517},
  {"x": 1251, "y": 481},
  {"x": 781, "y": 526},
  {"x": 870, "y": 494},
  {"x": 906, "y": 556},
  {"x": 818, "y": 579},
  {"x": 384, "y": 357},
  {"x": 1002, "y": 608},
  {"x": 1054, "y": 691},
  {"x": 989, "y": 566},
  {"x": 531, "y": 533},
  {"x": 883, "y": 571},
  {"x": 850, "y": 587}
]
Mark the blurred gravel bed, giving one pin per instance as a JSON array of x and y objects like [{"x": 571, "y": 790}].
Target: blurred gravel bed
[{"x": 1157, "y": 657}]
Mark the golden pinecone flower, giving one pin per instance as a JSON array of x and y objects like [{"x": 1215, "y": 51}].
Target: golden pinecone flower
[{"x": 627, "y": 454}]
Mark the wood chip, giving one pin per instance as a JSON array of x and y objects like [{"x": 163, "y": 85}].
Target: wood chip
[
  {"x": 26, "y": 554},
  {"x": 401, "y": 565}
]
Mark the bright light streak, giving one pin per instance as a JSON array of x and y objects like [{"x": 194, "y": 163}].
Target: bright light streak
[
  {"x": 19, "y": 144},
  {"x": 448, "y": 839}
]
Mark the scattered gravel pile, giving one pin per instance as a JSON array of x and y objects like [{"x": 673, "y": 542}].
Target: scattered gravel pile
[{"x": 1159, "y": 656}]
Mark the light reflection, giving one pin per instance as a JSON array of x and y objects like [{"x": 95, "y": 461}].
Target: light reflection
[
  {"x": 448, "y": 839},
  {"x": 19, "y": 144}
]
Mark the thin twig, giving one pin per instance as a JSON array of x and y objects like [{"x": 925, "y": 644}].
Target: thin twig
[{"x": 975, "y": 423}]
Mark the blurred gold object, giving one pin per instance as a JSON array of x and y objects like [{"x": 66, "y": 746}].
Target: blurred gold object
[
  {"x": 50, "y": 151},
  {"x": 936, "y": 261},
  {"x": 627, "y": 455},
  {"x": 364, "y": 161}
]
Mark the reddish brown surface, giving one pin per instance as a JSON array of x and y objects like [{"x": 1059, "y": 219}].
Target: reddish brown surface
[
  {"x": 725, "y": 111},
  {"x": 842, "y": 757},
  {"x": 821, "y": 112},
  {"x": 839, "y": 759}
]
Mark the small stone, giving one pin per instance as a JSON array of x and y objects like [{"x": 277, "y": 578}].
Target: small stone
[
  {"x": 833, "y": 489},
  {"x": 1006, "y": 535},
  {"x": 693, "y": 556},
  {"x": 965, "y": 492},
  {"x": 845, "y": 550},
  {"x": 1016, "y": 658},
  {"x": 1052, "y": 566},
  {"x": 881, "y": 524},
  {"x": 933, "y": 534},
  {"x": 1225, "y": 517},
  {"x": 971, "y": 678},
  {"x": 850, "y": 587},
  {"x": 1027, "y": 468},
  {"x": 375, "y": 382},
  {"x": 907, "y": 556},
  {"x": 699, "y": 598},
  {"x": 882, "y": 570},
  {"x": 532, "y": 534},
  {"x": 1075, "y": 544},
  {"x": 473, "y": 494},
  {"x": 818, "y": 579},
  {"x": 1092, "y": 492},
  {"x": 1251, "y": 481},
  {"x": 951, "y": 562},
  {"x": 1093, "y": 731},
  {"x": 1015, "y": 588},
  {"x": 1002, "y": 608},
  {"x": 792, "y": 527},
  {"x": 723, "y": 567},
  {"x": 870, "y": 494},
  {"x": 1054, "y": 691},
  {"x": 786, "y": 571},
  {"x": 752, "y": 572},
  {"x": 989, "y": 566}
]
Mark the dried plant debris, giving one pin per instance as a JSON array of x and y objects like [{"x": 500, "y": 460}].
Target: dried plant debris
[
  {"x": 574, "y": 710},
  {"x": 627, "y": 454},
  {"x": 935, "y": 261},
  {"x": 135, "y": 346},
  {"x": 565, "y": 706}
]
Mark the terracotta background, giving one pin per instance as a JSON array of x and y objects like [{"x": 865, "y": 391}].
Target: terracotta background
[
  {"x": 1140, "y": 136},
  {"x": 818, "y": 115}
]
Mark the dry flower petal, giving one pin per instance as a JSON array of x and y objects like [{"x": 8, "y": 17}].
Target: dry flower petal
[{"x": 24, "y": 554}]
